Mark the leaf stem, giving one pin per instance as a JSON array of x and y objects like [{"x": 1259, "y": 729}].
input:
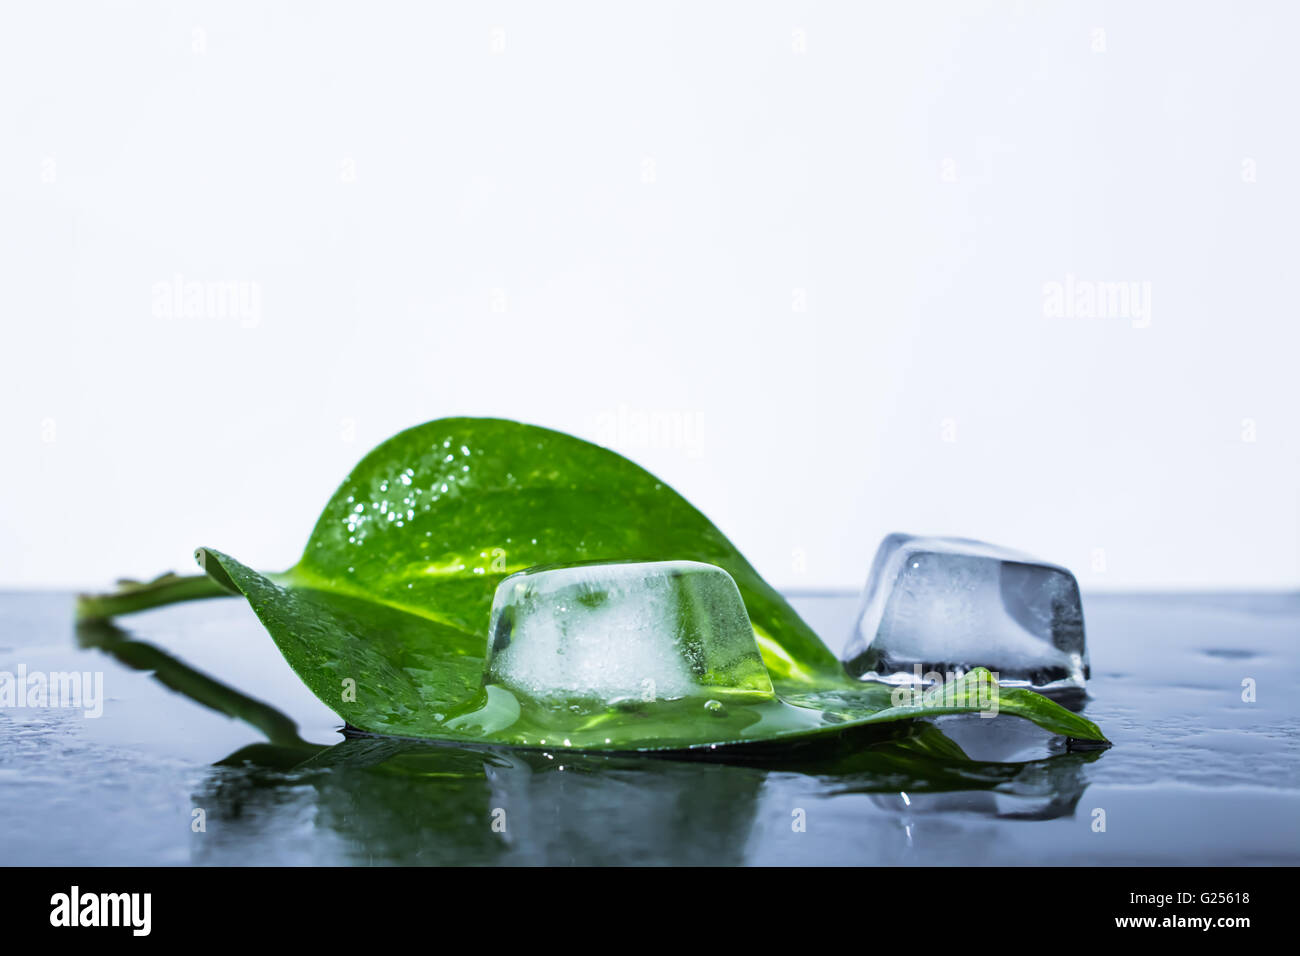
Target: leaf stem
[{"x": 132, "y": 596}]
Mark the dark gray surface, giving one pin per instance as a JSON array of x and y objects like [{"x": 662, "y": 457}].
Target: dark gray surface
[{"x": 1196, "y": 775}]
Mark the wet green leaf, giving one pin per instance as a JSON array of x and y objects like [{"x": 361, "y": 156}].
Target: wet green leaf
[{"x": 385, "y": 616}]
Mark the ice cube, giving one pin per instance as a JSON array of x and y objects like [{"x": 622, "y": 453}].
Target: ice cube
[
  {"x": 639, "y": 631},
  {"x": 942, "y": 605}
]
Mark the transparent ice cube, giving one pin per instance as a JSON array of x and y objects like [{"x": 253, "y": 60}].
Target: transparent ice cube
[
  {"x": 640, "y": 631},
  {"x": 941, "y": 605}
]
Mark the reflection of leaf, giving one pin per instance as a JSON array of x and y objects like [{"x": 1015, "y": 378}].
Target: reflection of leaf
[
  {"x": 391, "y": 599},
  {"x": 925, "y": 760},
  {"x": 384, "y": 799},
  {"x": 198, "y": 687}
]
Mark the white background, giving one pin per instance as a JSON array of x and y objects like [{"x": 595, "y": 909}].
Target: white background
[{"x": 812, "y": 237}]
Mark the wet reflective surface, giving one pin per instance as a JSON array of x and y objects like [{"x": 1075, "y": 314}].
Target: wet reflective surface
[{"x": 1197, "y": 774}]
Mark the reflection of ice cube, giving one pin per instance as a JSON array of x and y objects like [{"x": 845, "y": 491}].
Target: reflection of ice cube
[
  {"x": 949, "y": 604},
  {"x": 660, "y": 630}
]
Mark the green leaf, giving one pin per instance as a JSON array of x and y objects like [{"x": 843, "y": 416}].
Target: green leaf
[
  {"x": 385, "y": 615},
  {"x": 432, "y": 519}
]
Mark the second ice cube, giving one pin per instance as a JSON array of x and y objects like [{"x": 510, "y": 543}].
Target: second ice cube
[{"x": 940, "y": 605}]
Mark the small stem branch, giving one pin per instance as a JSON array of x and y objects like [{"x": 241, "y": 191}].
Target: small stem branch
[{"x": 140, "y": 596}]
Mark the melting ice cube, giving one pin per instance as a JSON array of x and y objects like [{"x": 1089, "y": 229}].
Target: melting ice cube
[
  {"x": 642, "y": 631},
  {"x": 941, "y": 605}
]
